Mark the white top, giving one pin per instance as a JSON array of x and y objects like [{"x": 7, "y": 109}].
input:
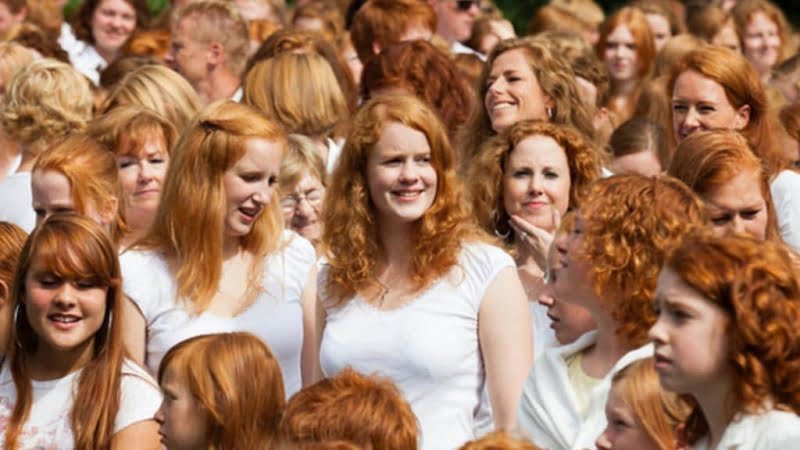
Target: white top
[
  {"x": 85, "y": 59},
  {"x": 67, "y": 39},
  {"x": 275, "y": 316},
  {"x": 543, "y": 335},
  {"x": 48, "y": 426},
  {"x": 14, "y": 165},
  {"x": 549, "y": 414},
  {"x": 458, "y": 48},
  {"x": 785, "y": 190},
  {"x": 16, "y": 200},
  {"x": 429, "y": 347},
  {"x": 773, "y": 430},
  {"x": 334, "y": 151}
]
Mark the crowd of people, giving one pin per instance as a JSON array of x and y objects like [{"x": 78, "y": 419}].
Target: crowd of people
[{"x": 399, "y": 225}]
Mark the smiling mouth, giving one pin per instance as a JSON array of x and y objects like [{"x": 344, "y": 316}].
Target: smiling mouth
[
  {"x": 250, "y": 213},
  {"x": 408, "y": 195}
]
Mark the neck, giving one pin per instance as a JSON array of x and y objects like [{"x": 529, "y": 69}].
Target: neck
[
  {"x": 47, "y": 363},
  {"x": 626, "y": 87},
  {"x": 526, "y": 260},
  {"x": 220, "y": 84},
  {"x": 28, "y": 161},
  {"x": 396, "y": 240},
  {"x": 136, "y": 231},
  {"x": 609, "y": 347},
  {"x": 714, "y": 400},
  {"x": 9, "y": 151},
  {"x": 230, "y": 247},
  {"x": 107, "y": 54}
]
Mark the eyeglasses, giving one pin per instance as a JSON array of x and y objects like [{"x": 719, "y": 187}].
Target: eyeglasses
[
  {"x": 290, "y": 202},
  {"x": 465, "y": 5}
]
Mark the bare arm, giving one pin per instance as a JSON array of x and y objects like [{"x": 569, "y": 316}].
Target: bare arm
[
  {"x": 138, "y": 436},
  {"x": 310, "y": 353},
  {"x": 504, "y": 332},
  {"x": 134, "y": 331}
]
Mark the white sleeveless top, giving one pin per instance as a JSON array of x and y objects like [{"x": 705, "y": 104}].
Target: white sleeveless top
[
  {"x": 429, "y": 347},
  {"x": 275, "y": 316}
]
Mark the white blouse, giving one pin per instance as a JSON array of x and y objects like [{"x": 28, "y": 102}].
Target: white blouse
[{"x": 772, "y": 430}]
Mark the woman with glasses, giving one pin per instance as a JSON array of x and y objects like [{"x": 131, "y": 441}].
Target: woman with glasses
[{"x": 302, "y": 182}]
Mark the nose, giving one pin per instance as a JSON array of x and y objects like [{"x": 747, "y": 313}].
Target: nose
[
  {"x": 656, "y": 332},
  {"x": 169, "y": 57},
  {"x": 65, "y": 296},
  {"x": 304, "y": 208},
  {"x": 546, "y": 298},
  {"x": 603, "y": 443},
  {"x": 498, "y": 85},
  {"x": 737, "y": 225},
  {"x": 691, "y": 120},
  {"x": 535, "y": 186},
  {"x": 146, "y": 172},
  {"x": 408, "y": 173},
  {"x": 263, "y": 194},
  {"x": 159, "y": 417}
]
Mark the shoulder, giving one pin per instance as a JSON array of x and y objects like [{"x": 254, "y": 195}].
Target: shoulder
[
  {"x": 140, "y": 396},
  {"x": 296, "y": 248},
  {"x": 481, "y": 253}
]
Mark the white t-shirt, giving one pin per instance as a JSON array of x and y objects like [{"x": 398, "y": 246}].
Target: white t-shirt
[
  {"x": 429, "y": 347},
  {"x": 275, "y": 316},
  {"x": 785, "y": 190},
  {"x": 16, "y": 199},
  {"x": 48, "y": 425},
  {"x": 773, "y": 430},
  {"x": 85, "y": 59}
]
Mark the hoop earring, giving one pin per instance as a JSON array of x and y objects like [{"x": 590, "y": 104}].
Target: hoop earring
[
  {"x": 16, "y": 326},
  {"x": 504, "y": 235}
]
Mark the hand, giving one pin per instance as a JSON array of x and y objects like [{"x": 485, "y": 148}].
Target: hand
[{"x": 533, "y": 239}]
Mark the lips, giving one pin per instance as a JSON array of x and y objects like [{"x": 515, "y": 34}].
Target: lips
[
  {"x": 63, "y": 321},
  {"x": 250, "y": 213},
  {"x": 408, "y": 194}
]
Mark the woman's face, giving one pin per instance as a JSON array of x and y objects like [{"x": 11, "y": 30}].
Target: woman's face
[
  {"x": 621, "y": 55},
  {"x": 513, "y": 92},
  {"x": 690, "y": 337},
  {"x": 727, "y": 37},
  {"x": 402, "y": 181},
  {"x": 141, "y": 174},
  {"x": 700, "y": 103},
  {"x": 113, "y": 22},
  {"x": 571, "y": 268},
  {"x": 761, "y": 42},
  {"x": 52, "y": 193},
  {"x": 659, "y": 26},
  {"x": 623, "y": 430},
  {"x": 302, "y": 207},
  {"x": 182, "y": 418},
  {"x": 738, "y": 206},
  {"x": 536, "y": 181}
]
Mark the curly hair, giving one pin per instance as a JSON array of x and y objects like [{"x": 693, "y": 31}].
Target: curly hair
[
  {"x": 350, "y": 237},
  {"x": 756, "y": 284},
  {"x": 499, "y": 440},
  {"x": 425, "y": 71},
  {"x": 487, "y": 170},
  {"x": 630, "y": 221},
  {"x": 44, "y": 102},
  {"x": 556, "y": 78}
]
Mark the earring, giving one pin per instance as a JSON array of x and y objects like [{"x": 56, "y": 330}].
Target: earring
[
  {"x": 549, "y": 112},
  {"x": 16, "y": 326}
]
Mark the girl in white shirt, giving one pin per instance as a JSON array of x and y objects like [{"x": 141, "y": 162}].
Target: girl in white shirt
[
  {"x": 216, "y": 258},
  {"x": 411, "y": 291},
  {"x": 727, "y": 335},
  {"x": 65, "y": 382}
]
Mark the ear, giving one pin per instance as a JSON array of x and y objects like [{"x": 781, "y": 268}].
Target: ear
[
  {"x": 376, "y": 48},
  {"x": 215, "y": 54},
  {"x": 742, "y": 118}
]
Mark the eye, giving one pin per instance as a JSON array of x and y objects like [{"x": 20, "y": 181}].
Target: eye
[
  {"x": 720, "y": 220},
  {"x": 393, "y": 161},
  {"x": 750, "y": 214},
  {"x": 48, "y": 280},
  {"x": 521, "y": 173},
  {"x": 250, "y": 177},
  {"x": 158, "y": 160},
  {"x": 87, "y": 284},
  {"x": 679, "y": 108},
  {"x": 39, "y": 212},
  {"x": 551, "y": 174},
  {"x": 124, "y": 163},
  {"x": 273, "y": 180}
]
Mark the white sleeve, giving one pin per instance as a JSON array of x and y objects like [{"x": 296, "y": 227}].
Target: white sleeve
[
  {"x": 785, "y": 189},
  {"x": 482, "y": 262},
  {"x": 140, "y": 397},
  {"x": 143, "y": 281},
  {"x": 300, "y": 259}
]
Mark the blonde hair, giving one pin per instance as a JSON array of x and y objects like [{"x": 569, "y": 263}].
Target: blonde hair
[
  {"x": 302, "y": 155},
  {"x": 13, "y": 58},
  {"x": 315, "y": 110},
  {"x": 45, "y": 101},
  {"x": 217, "y": 21},
  {"x": 160, "y": 89},
  {"x": 188, "y": 227}
]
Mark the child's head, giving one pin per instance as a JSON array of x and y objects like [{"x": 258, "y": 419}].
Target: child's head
[{"x": 220, "y": 391}]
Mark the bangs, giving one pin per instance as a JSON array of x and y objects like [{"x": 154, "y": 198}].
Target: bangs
[
  {"x": 132, "y": 140},
  {"x": 64, "y": 258}
]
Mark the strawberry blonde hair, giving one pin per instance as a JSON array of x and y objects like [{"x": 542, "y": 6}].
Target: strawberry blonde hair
[
  {"x": 237, "y": 381},
  {"x": 71, "y": 247},
  {"x": 350, "y": 236}
]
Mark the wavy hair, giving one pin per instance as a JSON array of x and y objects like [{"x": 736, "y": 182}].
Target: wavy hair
[
  {"x": 630, "y": 221},
  {"x": 707, "y": 160},
  {"x": 497, "y": 440},
  {"x": 487, "y": 170},
  {"x": 378, "y": 417},
  {"x": 350, "y": 236},
  {"x": 756, "y": 284},
  {"x": 72, "y": 248},
  {"x": 556, "y": 79},
  {"x": 44, "y": 102},
  {"x": 93, "y": 178},
  {"x": 189, "y": 224},
  {"x": 242, "y": 410}
]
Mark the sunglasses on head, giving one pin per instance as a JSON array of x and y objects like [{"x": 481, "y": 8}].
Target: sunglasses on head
[{"x": 465, "y": 5}]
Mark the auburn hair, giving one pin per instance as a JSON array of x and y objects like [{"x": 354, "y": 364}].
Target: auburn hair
[
  {"x": 12, "y": 239},
  {"x": 71, "y": 247},
  {"x": 756, "y": 285},
  {"x": 629, "y": 223},
  {"x": 242, "y": 410},
  {"x": 350, "y": 235},
  {"x": 189, "y": 224},
  {"x": 744, "y": 11},
  {"x": 93, "y": 178},
  {"x": 499, "y": 440},
  {"x": 367, "y": 411},
  {"x": 383, "y": 22}
]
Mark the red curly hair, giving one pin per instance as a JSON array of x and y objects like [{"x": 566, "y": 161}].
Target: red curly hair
[
  {"x": 350, "y": 236},
  {"x": 630, "y": 221},
  {"x": 499, "y": 440},
  {"x": 756, "y": 284}
]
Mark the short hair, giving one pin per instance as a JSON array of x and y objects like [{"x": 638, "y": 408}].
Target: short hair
[
  {"x": 634, "y": 19},
  {"x": 640, "y": 134},
  {"x": 499, "y": 440},
  {"x": 756, "y": 285},
  {"x": 587, "y": 11},
  {"x": 659, "y": 412},
  {"x": 350, "y": 238},
  {"x": 707, "y": 160},
  {"x": 238, "y": 382},
  {"x": 625, "y": 259},
  {"x": 426, "y": 72},
  {"x": 124, "y": 130},
  {"x": 315, "y": 110},
  {"x": 82, "y": 20},
  {"x": 384, "y": 21},
  {"x": 160, "y": 89},
  {"x": 744, "y": 11},
  {"x": 707, "y": 21},
  {"x": 188, "y": 225},
  {"x": 92, "y": 174},
  {"x": 44, "y": 102},
  {"x": 330, "y": 16},
  {"x": 556, "y": 19},
  {"x": 208, "y": 18},
  {"x": 377, "y": 416},
  {"x": 302, "y": 155},
  {"x": 487, "y": 169}
]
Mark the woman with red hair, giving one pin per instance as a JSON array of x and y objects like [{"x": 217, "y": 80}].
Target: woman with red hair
[
  {"x": 727, "y": 336},
  {"x": 411, "y": 289}
]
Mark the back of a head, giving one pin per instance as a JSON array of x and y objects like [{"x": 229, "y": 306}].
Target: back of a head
[
  {"x": 383, "y": 22},
  {"x": 367, "y": 411},
  {"x": 673, "y": 50},
  {"x": 638, "y": 135},
  {"x": 499, "y": 440}
]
